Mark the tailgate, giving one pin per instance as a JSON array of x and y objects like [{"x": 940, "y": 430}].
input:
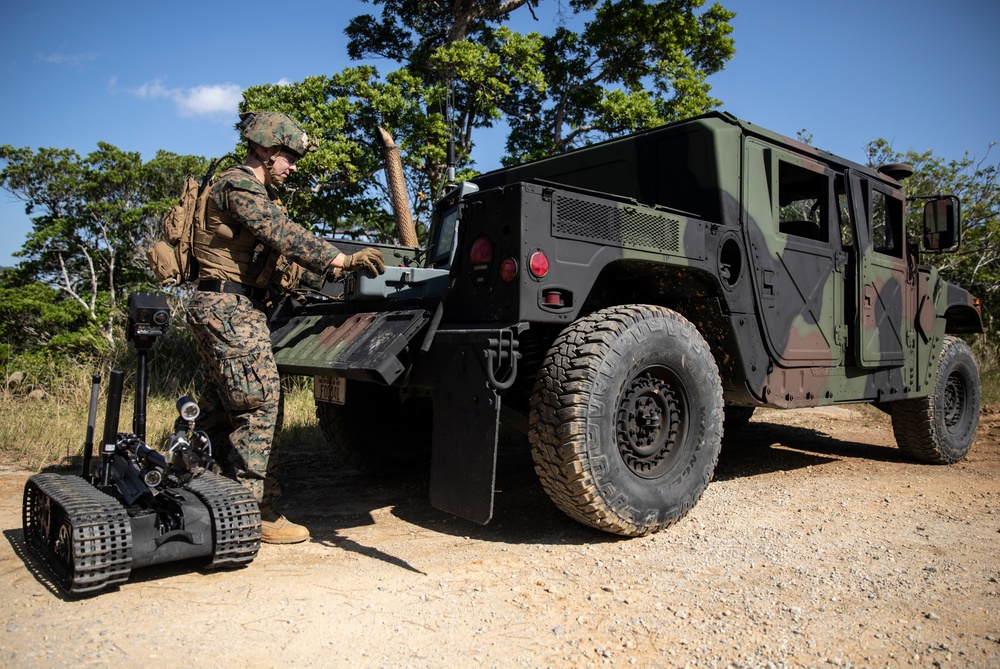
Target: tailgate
[{"x": 364, "y": 346}]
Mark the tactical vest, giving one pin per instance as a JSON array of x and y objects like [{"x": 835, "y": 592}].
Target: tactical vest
[{"x": 226, "y": 250}]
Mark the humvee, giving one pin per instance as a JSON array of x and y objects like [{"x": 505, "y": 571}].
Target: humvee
[{"x": 621, "y": 303}]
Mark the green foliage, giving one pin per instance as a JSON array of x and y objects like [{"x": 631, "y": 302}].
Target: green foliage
[
  {"x": 92, "y": 219},
  {"x": 633, "y": 65},
  {"x": 338, "y": 188},
  {"x": 976, "y": 264},
  {"x": 35, "y": 315}
]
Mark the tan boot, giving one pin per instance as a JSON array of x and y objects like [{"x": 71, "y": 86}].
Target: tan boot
[{"x": 276, "y": 529}]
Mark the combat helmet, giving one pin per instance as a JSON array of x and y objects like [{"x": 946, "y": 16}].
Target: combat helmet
[{"x": 270, "y": 128}]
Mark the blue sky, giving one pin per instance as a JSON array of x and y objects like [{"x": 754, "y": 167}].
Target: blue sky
[{"x": 923, "y": 74}]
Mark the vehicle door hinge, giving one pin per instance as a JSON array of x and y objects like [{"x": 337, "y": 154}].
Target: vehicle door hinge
[{"x": 840, "y": 335}]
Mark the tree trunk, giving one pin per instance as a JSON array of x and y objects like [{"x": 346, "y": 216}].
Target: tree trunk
[{"x": 397, "y": 190}]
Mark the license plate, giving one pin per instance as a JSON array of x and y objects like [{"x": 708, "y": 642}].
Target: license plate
[{"x": 331, "y": 389}]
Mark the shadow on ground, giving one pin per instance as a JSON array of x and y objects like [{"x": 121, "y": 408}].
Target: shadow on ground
[{"x": 327, "y": 497}]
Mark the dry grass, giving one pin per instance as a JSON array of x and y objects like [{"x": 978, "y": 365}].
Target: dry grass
[
  {"x": 39, "y": 433},
  {"x": 36, "y": 434}
]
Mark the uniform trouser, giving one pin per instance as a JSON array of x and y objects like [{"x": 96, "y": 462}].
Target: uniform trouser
[{"x": 241, "y": 398}]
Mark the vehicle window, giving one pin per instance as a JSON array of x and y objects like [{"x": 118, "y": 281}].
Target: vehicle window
[
  {"x": 887, "y": 224},
  {"x": 803, "y": 202},
  {"x": 445, "y": 238},
  {"x": 843, "y": 211}
]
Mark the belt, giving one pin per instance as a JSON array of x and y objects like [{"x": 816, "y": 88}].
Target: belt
[{"x": 219, "y": 286}]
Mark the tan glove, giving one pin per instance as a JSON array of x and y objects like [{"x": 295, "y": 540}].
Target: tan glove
[{"x": 369, "y": 259}]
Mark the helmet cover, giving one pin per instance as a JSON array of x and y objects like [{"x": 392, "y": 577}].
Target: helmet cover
[{"x": 270, "y": 128}]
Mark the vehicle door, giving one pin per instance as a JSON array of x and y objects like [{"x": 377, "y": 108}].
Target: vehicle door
[
  {"x": 885, "y": 287},
  {"x": 794, "y": 236}
]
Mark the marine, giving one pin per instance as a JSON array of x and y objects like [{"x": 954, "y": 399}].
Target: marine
[{"x": 248, "y": 248}]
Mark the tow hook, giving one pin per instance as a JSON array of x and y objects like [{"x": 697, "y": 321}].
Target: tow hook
[{"x": 501, "y": 360}]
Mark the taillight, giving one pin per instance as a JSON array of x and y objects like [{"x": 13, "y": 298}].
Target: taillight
[
  {"x": 538, "y": 264},
  {"x": 481, "y": 253},
  {"x": 508, "y": 269},
  {"x": 553, "y": 298}
]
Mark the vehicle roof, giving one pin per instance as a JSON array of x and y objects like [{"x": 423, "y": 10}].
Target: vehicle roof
[{"x": 748, "y": 128}]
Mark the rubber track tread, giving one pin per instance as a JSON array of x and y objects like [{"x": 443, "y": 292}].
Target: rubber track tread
[
  {"x": 102, "y": 533},
  {"x": 236, "y": 526}
]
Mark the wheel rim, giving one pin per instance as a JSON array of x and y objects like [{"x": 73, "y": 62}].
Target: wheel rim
[
  {"x": 955, "y": 403},
  {"x": 63, "y": 546},
  {"x": 649, "y": 423},
  {"x": 43, "y": 519}
]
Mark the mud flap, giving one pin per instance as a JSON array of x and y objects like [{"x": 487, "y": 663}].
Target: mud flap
[{"x": 466, "y": 423}]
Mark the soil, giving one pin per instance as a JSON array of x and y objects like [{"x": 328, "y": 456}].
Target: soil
[{"x": 818, "y": 544}]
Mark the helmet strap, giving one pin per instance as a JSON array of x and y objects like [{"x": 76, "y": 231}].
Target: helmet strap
[{"x": 268, "y": 164}]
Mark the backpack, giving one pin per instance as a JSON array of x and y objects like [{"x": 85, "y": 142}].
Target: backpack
[{"x": 172, "y": 260}]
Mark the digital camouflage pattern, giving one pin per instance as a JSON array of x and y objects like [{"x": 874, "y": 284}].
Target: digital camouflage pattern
[
  {"x": 239, "y": 204},
  {"x": 275, "y": 129},
  {"x": 241, "y": 393},
  {"x": 248, "y": 236}
]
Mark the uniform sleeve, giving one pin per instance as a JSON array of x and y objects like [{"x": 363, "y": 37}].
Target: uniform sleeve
[
  {"x": 270, "y": 225},
  {"x": 313, "y": 280}
]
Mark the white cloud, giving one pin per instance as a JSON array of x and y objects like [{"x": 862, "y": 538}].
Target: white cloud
[
  {"x": 211, "y": 100},
  {"x": 77, "y": 60}
]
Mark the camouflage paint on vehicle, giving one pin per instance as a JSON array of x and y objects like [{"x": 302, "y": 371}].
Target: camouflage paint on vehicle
[
  {"x": 790, "y": 263},
  {"x": 796, "y": 308}
]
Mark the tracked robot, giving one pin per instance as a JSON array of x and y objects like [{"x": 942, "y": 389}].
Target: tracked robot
[{"x": 136, "y": 506}]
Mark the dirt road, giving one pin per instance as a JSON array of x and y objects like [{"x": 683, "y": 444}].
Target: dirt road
[{"x": 816, "y": 545}]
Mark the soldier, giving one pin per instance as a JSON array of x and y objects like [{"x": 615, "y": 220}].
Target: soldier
[{"x": 248, "y": 244}]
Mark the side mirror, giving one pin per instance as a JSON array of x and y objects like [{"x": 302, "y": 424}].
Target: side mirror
[{"x": 941, "y": 223}]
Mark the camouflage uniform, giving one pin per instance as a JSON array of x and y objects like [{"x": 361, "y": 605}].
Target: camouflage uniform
[{"x": 242, "y": 395}]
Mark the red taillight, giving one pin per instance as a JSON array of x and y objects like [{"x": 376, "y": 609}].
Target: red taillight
[
  {"x": 538, "y": 263},
  {"x": 481, "y": 252},
  {"x": 508, "y": 269},
  {"x": 553, "y": 298}
]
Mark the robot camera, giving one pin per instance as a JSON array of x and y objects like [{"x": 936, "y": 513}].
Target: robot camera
[{"x": 148, "y": 316}]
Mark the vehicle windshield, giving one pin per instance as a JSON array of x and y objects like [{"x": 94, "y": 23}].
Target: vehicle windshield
[{"x": 444, "y": 239}]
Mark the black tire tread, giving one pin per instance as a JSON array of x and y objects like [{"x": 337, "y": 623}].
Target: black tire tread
[
  {"x": 558, "y": 437},
  {"x": 914, "y": 423}
]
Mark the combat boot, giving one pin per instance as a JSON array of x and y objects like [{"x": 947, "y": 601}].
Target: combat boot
[{"x": 276, "y": 529}]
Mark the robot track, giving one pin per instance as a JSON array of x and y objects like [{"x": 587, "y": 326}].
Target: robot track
[
  {"x": 81, "y": 535},
  {"x": 236, "y": 526},
  {"x": 89, "y": 542}
]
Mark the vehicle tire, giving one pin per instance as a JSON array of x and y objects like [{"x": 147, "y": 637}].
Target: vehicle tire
[
  {"x": 377, "y": 430},
  {"x": 736, "y": 417},
  {"x": 626, "y": 419},
  {"x": 939, "y": 429}
]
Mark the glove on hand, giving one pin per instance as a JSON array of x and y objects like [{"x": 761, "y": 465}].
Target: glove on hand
[{"x": 370, "y": 259}]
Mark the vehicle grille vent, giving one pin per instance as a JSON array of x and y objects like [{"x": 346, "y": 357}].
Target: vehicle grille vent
[{"x": 624, "y": 225}]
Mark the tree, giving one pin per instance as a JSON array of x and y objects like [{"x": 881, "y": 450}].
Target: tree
[
  {"x": 338, "y": 188},
  {"x": 33, "y": 316},
  {"x": 976, "y": 264},
  {"x": 633, "y": 65},
  {"x": 93, "y": 219}
]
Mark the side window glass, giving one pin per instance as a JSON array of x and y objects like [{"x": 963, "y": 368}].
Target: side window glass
[
  {"x": 803, "y": 202},
  {"x": 887, "y": 224},
  {"x": 843, "y": 211}
]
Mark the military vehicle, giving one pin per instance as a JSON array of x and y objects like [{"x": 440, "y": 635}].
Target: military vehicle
[{"x": 621, "y": 302}]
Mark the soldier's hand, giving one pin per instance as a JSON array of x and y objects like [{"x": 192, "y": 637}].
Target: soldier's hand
[{"x": 369, "y": 258}]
